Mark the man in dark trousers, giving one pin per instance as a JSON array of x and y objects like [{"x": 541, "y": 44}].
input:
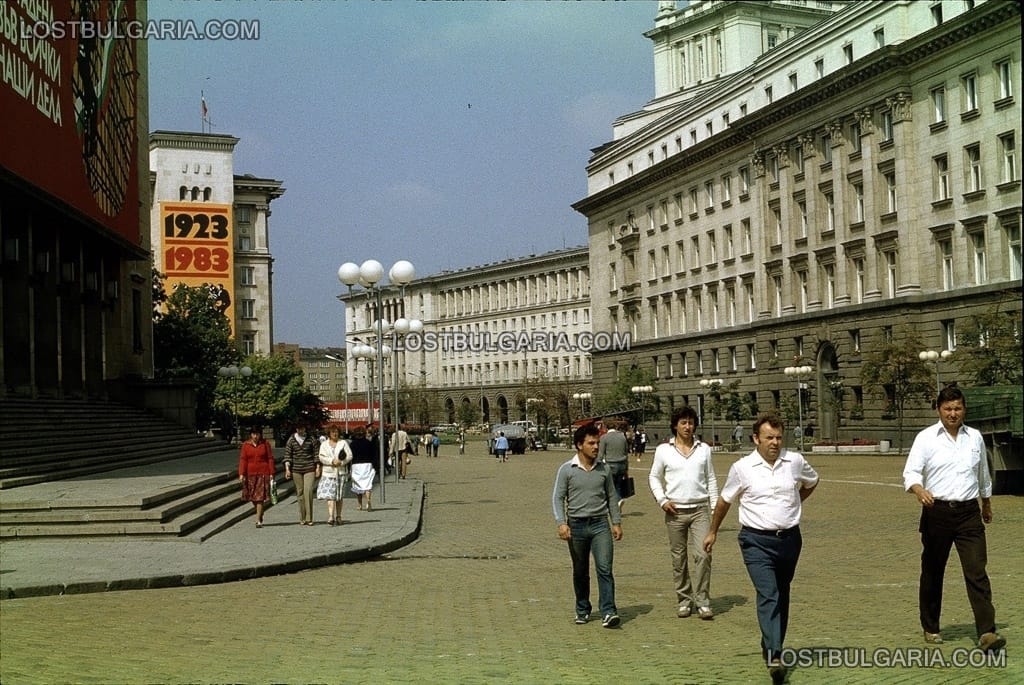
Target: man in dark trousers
[
  {"x": 770, "y": 485},
  {"x": 947, "y": 471}
]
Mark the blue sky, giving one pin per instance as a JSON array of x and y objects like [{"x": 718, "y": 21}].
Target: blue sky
[{"x": 450, "y": 134}]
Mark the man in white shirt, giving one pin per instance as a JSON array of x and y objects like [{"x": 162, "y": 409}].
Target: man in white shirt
[
  {"x": 683, "y": 481},
  {"x": 770, "y": 485},
  {"x": 947, "y": 470}
]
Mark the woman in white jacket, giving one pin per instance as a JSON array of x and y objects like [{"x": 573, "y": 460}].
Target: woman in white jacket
[{"x": 335, "y": 456}]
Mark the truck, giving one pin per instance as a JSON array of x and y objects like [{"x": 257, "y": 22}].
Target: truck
[
  {"x": 996, "y": 411},
  {"x": 516, "y": 436}
]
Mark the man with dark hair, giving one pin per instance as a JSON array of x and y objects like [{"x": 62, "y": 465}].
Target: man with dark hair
[
  {"x": 613, "y": 450},
  {"x": 583, "y": 500},
  {"x": 683, "y": 482},
  {"x": 770, "y": 485},
  {"x": 947, "y": 471}
]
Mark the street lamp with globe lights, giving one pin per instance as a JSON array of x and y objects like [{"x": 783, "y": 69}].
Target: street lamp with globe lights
[
  {"x": 402, "y": 328},
  {"x": 582, "y": 397},
  {"x": 234, "y": 374},
  {"x": 368, "y": 275},
  {"x": 799, "y": 372},
  {"x": 935, "y": 357},
  {"x": 712, "y": 385}
]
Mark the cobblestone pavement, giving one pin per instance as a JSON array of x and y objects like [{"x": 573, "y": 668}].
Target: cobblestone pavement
[{"x": 485, "y": 596}]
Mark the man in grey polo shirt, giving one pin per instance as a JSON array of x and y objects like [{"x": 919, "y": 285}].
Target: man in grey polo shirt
[
  {"x": 613, "y": 449},
  {"x": 583, "y": 500}
]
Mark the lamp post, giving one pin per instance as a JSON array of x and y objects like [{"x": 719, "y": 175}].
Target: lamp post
[
  {"x": 712, "y": 385},
  {"x": 799, "y": 372},
  {"x": 582, "y": 397},
  {"x": 936, "y": 357},
  {"x": 641, "y": 391},
  {"x": 234, "y": 373},
  {"x": 483, "y": 414},
  {"x": 344, "y": 365},
  {"x": 368, "y": 275},
  {"x": 401, "y": 328}
]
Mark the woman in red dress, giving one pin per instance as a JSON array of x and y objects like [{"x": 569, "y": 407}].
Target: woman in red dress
[{"x": 255, "y": 469}]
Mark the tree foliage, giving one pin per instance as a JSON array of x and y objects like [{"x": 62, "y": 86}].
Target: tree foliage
[
  {"x": 989, "y": 348},
  {"x": 894, "y": 372},
  {"x": 191, "y": 340},
  {"x": 620, "y": 398},
  {"x": 273, "y": 395},
  {"x": 467, "y": 414}
]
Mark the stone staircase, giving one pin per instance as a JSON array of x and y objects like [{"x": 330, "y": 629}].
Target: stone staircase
[
  {"x": 100, "y": 469},
  {"x": 46, "y": 440}
]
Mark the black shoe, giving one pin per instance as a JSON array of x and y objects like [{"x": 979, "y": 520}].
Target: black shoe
[
  {"x": 778, "y": 672},
  {"x": 581, "y": 619},
  {"x": 611, "y": 621}
]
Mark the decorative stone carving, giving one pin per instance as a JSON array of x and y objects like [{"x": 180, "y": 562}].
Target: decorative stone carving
[
  {"x": 835, "y": 132},
  {"x": 900, "y": 106},
  {"x": 866, "y": 121}
]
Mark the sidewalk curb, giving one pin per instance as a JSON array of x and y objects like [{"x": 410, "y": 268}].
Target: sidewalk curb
[{"x": 230, "y": 570}]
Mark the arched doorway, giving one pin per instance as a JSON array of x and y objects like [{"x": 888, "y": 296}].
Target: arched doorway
[
  {"x": 449, "y": 410},
  {"x": 502, "y": 409},
  {"x": 830, "y": 393}
]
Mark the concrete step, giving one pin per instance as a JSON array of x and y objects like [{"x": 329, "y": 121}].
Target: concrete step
[{"x": 199, "y": 512}]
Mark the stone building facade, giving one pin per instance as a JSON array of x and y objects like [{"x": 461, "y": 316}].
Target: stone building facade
[{"x": 856, "y": 179}]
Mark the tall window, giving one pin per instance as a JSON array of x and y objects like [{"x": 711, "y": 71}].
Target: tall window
[
  {"x": 768, "y": 94},
  {"x": 777, "y": 219},
  {"x": 890, "y": 273},
  {"x": 802, "y": 208},
  {"x": 858, "y": 279},
  {"x": 890, "y": 190},
  {"x": 938, "y": 105},
  {"x": 744, "y": 180},
  {"x": 858, "y": 202},
  {"x": 248, "y": 344},
  {"x": 1008, "y": 147},
  {"x": 848, "y": 53},
  {"x": 826, "y": 148},
  {"x": 941, "y": 166},
  {"x": 777, "y": 283},
  {"x": 748, "y": 295},
  {"x": 693, "y": 200},
  {"x": 695, "y": 252},
  {"x": 887, "y": 125},
  {"x": 712, "y": 248},
  {"x": 726, "y": 189},
  {"x": 879, "y": 38},
  {"x": 248, "y": 275},
  {"x": 949, "y": 334},
  {"x": 729, "y": 249},
  {"x": 247, "y": 309},
  {"x": 748, "y": 245},
  {"x": 969, "y": 83},
  {"x": 1013, "y": 244},
  {"x": 830, "y": 285},
  {"x": 709, "y": 194},
  {"x": 980, "y": 265},
  {"x": 819, "y": 67},
  {"x": 1005, "y": 75},
  {"x": 830, "y": 212},
  {"x": 855, "y": 136},
  {"x": 972, "y": 154},
  {"x": 802, "y": 278},
  {"x": 946, "y": 251}
]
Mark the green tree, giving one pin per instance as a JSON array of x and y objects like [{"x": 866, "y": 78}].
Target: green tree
[
  {"x": 274, "y": 394},
  {"x": 620, "y": 398},
  {"x": 191, "y": 340},
  {"x": 989, "y": 348},
  {"x": 468, "y": 414},
  {"x": 895, "y": 369}
]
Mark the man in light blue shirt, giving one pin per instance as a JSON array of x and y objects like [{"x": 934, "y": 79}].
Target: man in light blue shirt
[{"x": 501, "y": 447}]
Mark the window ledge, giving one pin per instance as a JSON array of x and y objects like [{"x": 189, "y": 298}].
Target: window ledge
[
  {"x": 970, "y": 115},
  {"x": 938, "y": 126},
  {"x": 1003, "y": 103},
  {"x": 974, "y": 195},
  {"x": 945, "y": 203}
]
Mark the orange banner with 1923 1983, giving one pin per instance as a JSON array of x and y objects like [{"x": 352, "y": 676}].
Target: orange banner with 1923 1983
[{"x": 198, "y": 241}]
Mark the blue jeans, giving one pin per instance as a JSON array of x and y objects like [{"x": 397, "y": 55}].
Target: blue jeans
[
  {"x": 771, "y": 564},
  {"x": 592, "y": 536}
]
